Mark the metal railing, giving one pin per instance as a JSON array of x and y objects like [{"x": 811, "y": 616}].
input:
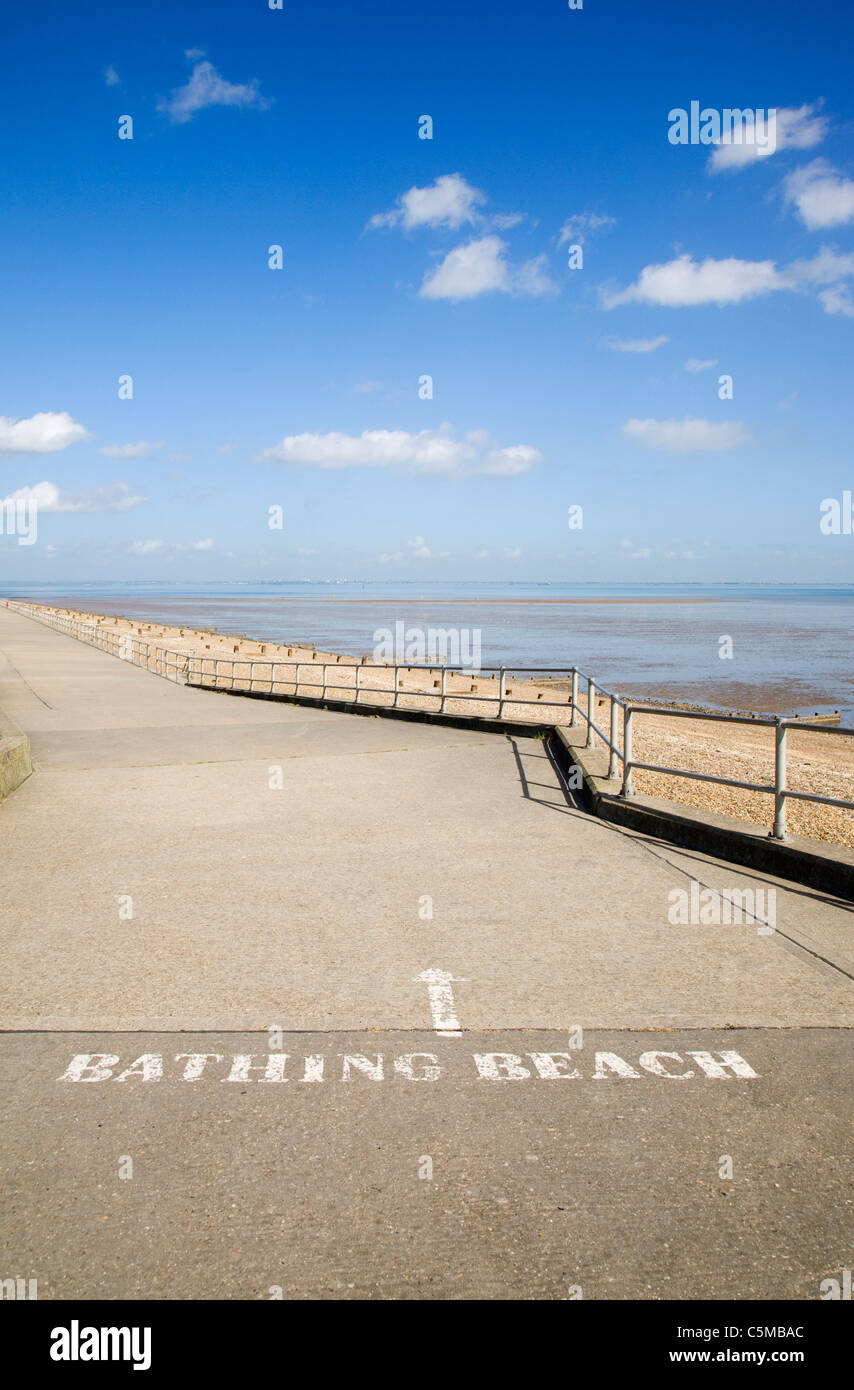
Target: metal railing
[
  {"x": 286, "y": 678},
  {"x": 256, "y": 675},
  {"x": 780, "y": 791}
]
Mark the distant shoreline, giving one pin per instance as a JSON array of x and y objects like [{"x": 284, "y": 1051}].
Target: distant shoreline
[{"x": 426, "y": 598}]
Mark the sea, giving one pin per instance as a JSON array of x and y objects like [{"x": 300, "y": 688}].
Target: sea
[{"x": 768, "y": 649}]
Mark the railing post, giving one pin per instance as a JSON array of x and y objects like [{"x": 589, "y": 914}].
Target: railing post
[
  {"x": 444, "y": 675},
  {"x": 502, "y": 692},
  {"x": 591, "y": 711},
  {"x": 612, "y": 761},
  {"x": 779, "y": 831},
  {"x": 396, "y": 689},
  {"x": 296, "y": 681},
  {"x": 358, "y": 682},
  {"x": 628, "y": 788},
  {"x": 574, "y": 697},
  {"x": 323, "y": 694}
]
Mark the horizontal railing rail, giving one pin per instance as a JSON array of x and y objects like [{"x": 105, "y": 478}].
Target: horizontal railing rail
[
  {"x": 779, "y": 790},
  {"x": 209, "y": 672}
]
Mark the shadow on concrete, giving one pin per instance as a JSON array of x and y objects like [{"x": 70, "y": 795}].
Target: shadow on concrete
[{"x": 571, "y": 800}]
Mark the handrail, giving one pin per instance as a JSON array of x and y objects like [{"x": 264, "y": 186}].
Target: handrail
[
  {"x": 780, "y": 792},
  {"x": 173, "y": 665}
]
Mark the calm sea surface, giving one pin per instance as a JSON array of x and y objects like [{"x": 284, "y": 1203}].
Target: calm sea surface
[{"x": 792, "y": 646}]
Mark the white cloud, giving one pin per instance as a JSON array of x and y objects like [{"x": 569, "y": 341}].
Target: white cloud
[
  {"x": 512, "y": 552},
  {"x": 145, "y": 547},
  {"x": 45, "y": 433},
  {"x": 506, "y": 463},
  {"x": 367, "y": 388},
  {"x": 837, "y": 300},
  {"x": 130, "y": 451},
  {"x": 305, "y": 550},
  {"x": 699, "y": 364},
  {"x": 206, "y": 544},
  {"x": 449, "y": 202},
  {"x": 115, "y": 497},
  {"x": 822, "y": 197},
  {"x": 679, "y": 555},
  {"x": 684, "y": 281},
  {"x": 825, "y": 267},
  {"x": 226, "y": 448},
  {"x": 420, "y": 549},
  {"x": 531, "y": 278},
  {"x": 583, "y": 224},
  {"x": 428, "y": 451},
  {"x": 636, "y": 344},
  {"x": 478, "y": 267},
  {"x": 794, "y": 129},
  {"x": 504, "y": 221},
  {"x": 633, "y": 552},
  {"x": 687, "y": 436},
  {"x": 111, "y": 77},
  {"x": 469, "y": 270},
  {"x": 205, "y": 87}
]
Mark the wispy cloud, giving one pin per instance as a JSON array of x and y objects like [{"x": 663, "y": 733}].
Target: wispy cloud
[
  {"x": 111, "y": 77},
  {"x": 689, "y": 436},
  {"x": 636, "y": 344},
  {"x": 700, "y": 364},
  {"x": 795, "y": 128},
  {"x": 506, "y": 463},
  {"x": 131, "y": 451},
  {"x": 633, "y": 552},
  {"x": 583, "y": 224},
  {"x": 837, "y": 300},
  {"x": 206, "y": 87}
]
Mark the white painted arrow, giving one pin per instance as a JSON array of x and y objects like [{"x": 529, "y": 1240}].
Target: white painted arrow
[{"x": 441, "y": 997}]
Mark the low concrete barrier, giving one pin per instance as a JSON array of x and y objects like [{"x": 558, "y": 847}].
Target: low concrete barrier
[
  {"x": 15, "y": 762},
  {"x": 828, "y": 868}
]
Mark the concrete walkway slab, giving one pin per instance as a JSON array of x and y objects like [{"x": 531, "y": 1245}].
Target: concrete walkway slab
[{"x": 246, "y": 872}]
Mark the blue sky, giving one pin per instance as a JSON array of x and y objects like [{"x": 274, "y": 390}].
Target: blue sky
[{"x": 403, "y": 257}]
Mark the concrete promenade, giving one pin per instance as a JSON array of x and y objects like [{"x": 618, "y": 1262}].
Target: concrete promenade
[{"x": 186, "y": 871}]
